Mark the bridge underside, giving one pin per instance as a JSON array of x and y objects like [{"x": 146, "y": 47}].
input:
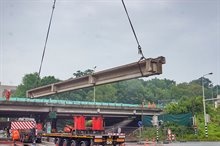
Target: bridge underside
[
  {"x": 41, "y": 111},
  {"x": 126, "y": 117}
]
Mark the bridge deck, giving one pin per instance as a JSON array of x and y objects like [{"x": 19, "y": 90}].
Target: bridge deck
[{"x": 66, "y": 108}]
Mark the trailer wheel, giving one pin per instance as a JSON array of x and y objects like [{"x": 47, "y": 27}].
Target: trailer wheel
[
  {"x": 119, "y": 144},
  {"x": 58, "y": 142},
  {"x": 73, "y": 143},
  {"x": 38, "y": 140},
  {"x": 91, "y": 143},
  {"x": 84, "y": 143},
  {"x": 22, "y": 139},
  {"x": 65, "y": 142}
]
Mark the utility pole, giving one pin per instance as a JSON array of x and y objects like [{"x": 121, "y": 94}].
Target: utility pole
[
  {"x": 94, "y": 93},
  {"x": 204, "y": 106}
]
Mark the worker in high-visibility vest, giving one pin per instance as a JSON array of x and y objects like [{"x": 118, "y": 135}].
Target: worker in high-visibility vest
[
  {"x": 7, "y": 94},
  {"x": 15, "y": 135}
]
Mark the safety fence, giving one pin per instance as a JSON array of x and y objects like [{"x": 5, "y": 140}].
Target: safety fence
[{"x": 178, "y": 119}]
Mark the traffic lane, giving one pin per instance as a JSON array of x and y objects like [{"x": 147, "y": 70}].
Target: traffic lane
[
  {"x": 10, "y": 143},
  {"x": 126, "y": 144},
  {"x": 46, "y": 144}
]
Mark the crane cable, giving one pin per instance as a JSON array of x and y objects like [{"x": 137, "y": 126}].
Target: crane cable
[
  {"x": 48, "y": 31},
  {"x": 139, "y": 46}
]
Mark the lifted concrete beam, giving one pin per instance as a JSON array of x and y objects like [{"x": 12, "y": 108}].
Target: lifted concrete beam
[{"x": 143, "y": 68}]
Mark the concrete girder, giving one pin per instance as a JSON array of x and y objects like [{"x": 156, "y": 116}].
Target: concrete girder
[
  {"x": 142, "y": 68},
  {"x": 98, "y": 111}
]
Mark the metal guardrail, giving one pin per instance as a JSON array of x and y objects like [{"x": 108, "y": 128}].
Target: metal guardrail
[{"x": 68, "y": 102}]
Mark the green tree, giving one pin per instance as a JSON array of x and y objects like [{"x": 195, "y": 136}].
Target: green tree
[
  {"x": 30, "y": 81},
  {"x": 192, "y": 105},
  {"x": 103, "y": 93},
  {"x": 175, "y": 108},
  {"x": 48, "y": 80},
  {"x": 206, "y": 82},
  {"x": 131, "y": 91},
  {"x": 80, "y": 73},
  {"x": 159, "y": 89}
]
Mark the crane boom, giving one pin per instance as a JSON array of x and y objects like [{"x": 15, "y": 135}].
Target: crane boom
[{"x": 143, "y": 68}]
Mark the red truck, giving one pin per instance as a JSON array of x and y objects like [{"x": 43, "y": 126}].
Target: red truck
[
  {"x": 29, "y": 130},
  {"x": 79, "y": 135}
]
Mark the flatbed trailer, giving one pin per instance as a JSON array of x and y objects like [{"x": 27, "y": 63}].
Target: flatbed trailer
[{"x": 69, "y": 139}]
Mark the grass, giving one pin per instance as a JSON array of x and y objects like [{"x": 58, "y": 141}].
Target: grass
[{"x": 184, "y": 133}]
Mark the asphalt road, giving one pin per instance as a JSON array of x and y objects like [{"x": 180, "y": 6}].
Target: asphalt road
[
  {"x": 154, "y": 144},
  {"x": 8, "y": 143}
]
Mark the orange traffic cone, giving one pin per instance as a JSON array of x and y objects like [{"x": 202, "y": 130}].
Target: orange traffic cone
[
  {"x": 154, "y": 141},
  {"x": 147, "y": 143}
]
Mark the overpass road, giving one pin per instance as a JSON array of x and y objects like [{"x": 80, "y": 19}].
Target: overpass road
[{"x": 17, "y": 107}]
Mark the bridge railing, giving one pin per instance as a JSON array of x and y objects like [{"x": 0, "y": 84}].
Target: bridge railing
[{"x": 68, "y": 102}]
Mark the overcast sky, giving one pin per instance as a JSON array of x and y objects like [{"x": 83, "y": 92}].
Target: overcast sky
[{"x": 88, "y": 33}]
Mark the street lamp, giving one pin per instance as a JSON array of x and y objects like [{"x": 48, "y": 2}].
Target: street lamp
[
  {"x": 94, "y": 85},
  {"x": 212, "y": 86},
  {"x": 203, "y": 93}
]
